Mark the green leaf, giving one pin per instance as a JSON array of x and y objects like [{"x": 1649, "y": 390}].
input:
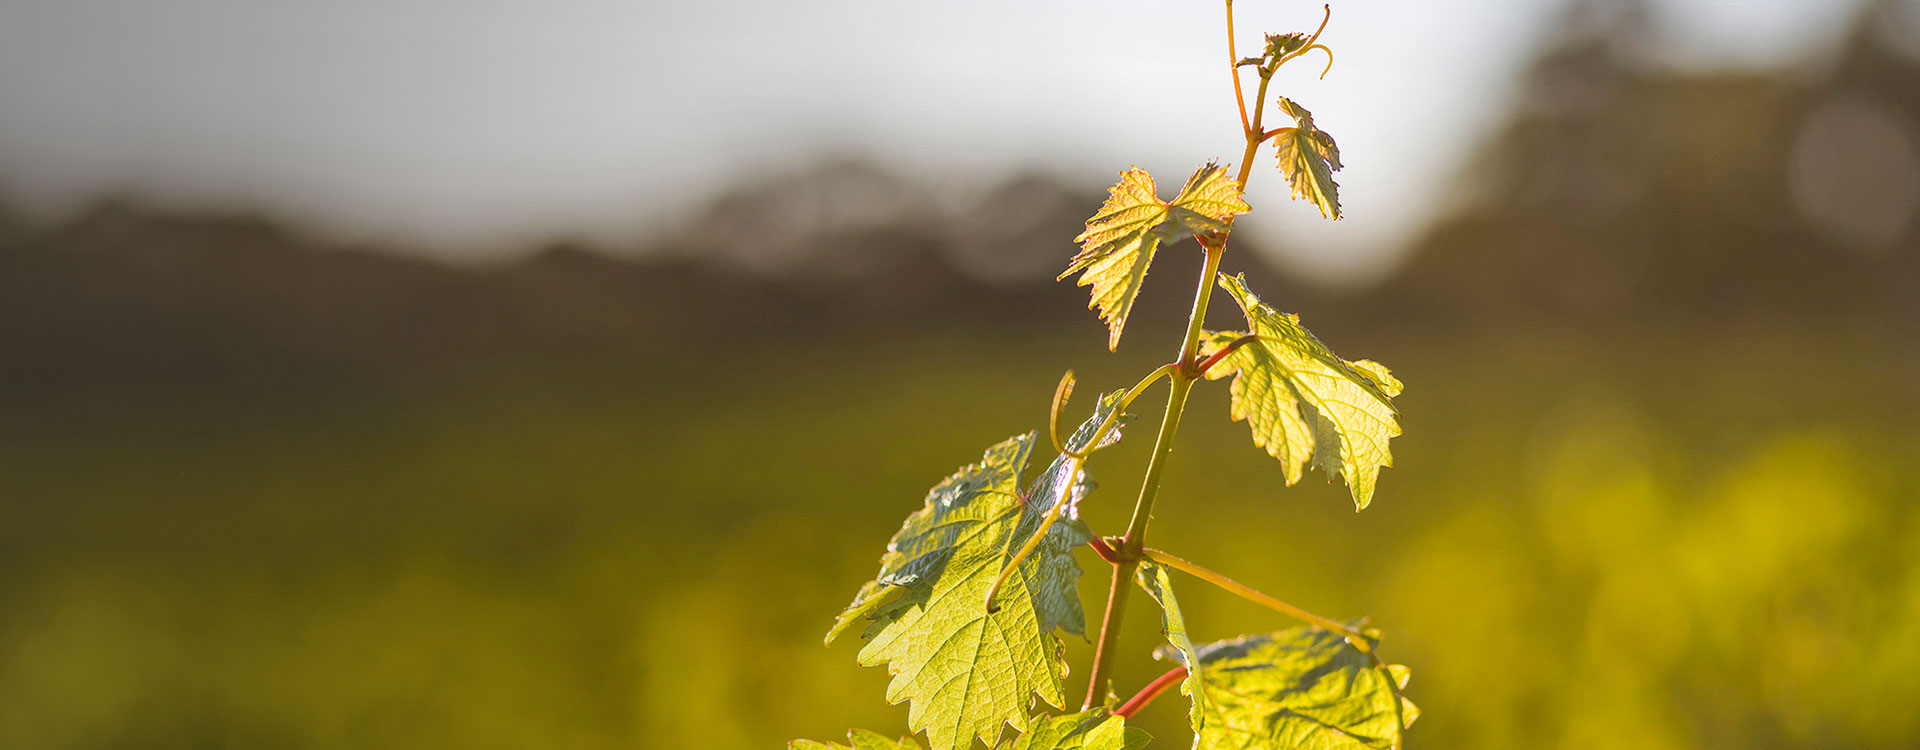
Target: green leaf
[
  {"x": 860, "y": 739},
  {"x": 1094, "y": 729},
  {"x": 1308, "y": 157},
  {"x": 1121, "y": 238},
  {"x": 1302, "y": 401},
  {"x": 1157, "y": 580},
  {"x": 1304, "y": 688},
  {"x": 967, "y": 670}
]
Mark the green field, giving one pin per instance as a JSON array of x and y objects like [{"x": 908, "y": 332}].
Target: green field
[{"x": 1637, "y": 540}]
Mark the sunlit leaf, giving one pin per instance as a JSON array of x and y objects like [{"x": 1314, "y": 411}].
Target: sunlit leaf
[
  {"x": 1121, "y": 238},
  {"x": 858, "y": 739},
  {"x": 1303, "y": 402},
  {"x": 1300, "y": 689},
  {"x": 966, "y": 670},
  {"x": 1157, "y": 580},
  {"x": 1308, "y": 158},
  {"x": 1088, "y": 730}
]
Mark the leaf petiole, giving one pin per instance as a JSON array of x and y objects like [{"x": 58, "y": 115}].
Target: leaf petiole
[
  {"x": 1243, "y": 591},
  {"x": 1151, "y": 691},
  {"x": 1125, "y": 401}
]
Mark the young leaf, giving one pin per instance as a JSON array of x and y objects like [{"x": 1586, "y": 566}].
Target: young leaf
[
  {"x": 1281, "y": 45},
  {"x": 1094, "y": 729},
  {"x": 1120, "y": 240},
  {"x": 1304, "y": 688},
  {"x": 967, "y": 670},
  {"x": 1308, "y": 158},
  {"x": 859, "y": 739},
  {"x": 1302, "y": 401},
  {"x": 1157, "y": 580}
]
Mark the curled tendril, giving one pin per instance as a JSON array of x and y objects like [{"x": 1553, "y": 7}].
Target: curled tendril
[
  {"x": 1322, "y": 48},
  {"x": 1061, "y": 393}
]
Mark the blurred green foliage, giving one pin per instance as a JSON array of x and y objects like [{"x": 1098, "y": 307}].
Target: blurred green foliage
[{"x": 1640, "y": 540}]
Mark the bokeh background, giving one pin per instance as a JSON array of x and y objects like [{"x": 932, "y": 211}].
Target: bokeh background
[{"x": 423, "y": 374}]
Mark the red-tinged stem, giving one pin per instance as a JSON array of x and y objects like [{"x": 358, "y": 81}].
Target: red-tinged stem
[
  {"x": 1109, "y": 632},
  {"x": 1150, "y": 692},
  {"x": 1233, "y": 60},
  {"x": 1214, "y": 359},
  {"x": 1101, "y": 548}
]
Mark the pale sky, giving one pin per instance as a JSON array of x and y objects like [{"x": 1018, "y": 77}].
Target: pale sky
[{"x": 465, "y": 126}]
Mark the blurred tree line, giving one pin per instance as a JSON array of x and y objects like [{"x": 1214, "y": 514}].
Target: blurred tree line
[{"x": 1618, "y": 189}]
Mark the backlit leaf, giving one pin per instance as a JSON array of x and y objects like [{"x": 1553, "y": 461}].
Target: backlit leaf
[
  {"x": 1303, "y": 402},
  {"x": 1121, "y": 238},
  {"x": 1308, "y": 158},
  {"x": 858, "y": 739},
  {"x": 1300, "y": 689},
  {"x": 1088, "y": 730},
  {"x": 966, "y": 670}
]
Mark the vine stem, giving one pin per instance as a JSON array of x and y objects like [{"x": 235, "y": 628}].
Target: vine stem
[
  {"x": 1353, "y": 638},
  {"x": 1127, "y": 552},
  {"x": 1255, "y": 135}
]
